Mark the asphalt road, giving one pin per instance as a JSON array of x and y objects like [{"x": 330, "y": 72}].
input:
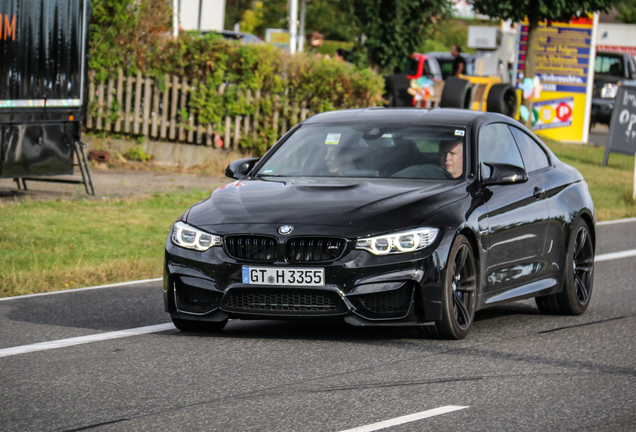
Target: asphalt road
[{"x": 517, "y": 371}]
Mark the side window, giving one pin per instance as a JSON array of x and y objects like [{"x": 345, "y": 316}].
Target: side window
[
  {"x": 433, "y": 69},
  {"x": 497, "y": 145},
  {"x": 533, "y": 155}
]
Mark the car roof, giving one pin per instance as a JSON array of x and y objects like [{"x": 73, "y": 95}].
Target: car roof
[
  {"x": 447, "y": 55},
  {"x": 437, "y": 116}
]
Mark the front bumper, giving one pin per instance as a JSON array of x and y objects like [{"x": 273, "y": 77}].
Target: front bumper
[
  {"x": 602, "y": 110},
  {"x": 360, "y": 288}
]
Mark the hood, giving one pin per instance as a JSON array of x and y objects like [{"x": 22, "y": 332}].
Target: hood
[{"x": 372, "y": 205}]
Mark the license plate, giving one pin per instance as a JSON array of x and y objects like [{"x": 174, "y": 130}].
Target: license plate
[{"x": 287, "y": 276}]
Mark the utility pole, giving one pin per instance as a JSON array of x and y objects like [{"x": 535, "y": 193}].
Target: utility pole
[
  {"x": 293, "y": 18},
  {"x": 175, "y": 18},
  {"x": 301, "y": 36}
]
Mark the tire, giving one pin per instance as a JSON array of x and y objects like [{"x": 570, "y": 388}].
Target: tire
[
  {"x": 457, "y": 93},
  {"x": 578, "y": 280},
  {"x": 502, "y": 98},
  {"x": 460, "y": 294},
  {"x": 198, "y": 326}
]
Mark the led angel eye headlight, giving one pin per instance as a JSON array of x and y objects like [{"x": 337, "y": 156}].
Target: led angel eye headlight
[
  {"x": 191, "y": 238},
  {"x": 402, "y": 242}
]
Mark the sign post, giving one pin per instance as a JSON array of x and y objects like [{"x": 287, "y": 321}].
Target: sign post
[{"x": 622, "y": 135}]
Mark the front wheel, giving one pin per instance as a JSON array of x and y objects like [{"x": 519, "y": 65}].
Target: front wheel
[{"x": 460, "y": 294}]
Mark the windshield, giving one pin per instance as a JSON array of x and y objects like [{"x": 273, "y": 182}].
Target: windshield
[
  {"x": 370, "y": 150},
  {"x": 608, "y": 64}
]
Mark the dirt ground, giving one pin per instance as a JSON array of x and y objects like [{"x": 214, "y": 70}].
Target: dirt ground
[{"x": 117, "y": 182}]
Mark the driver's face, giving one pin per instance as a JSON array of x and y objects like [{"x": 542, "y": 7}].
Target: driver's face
[{"x": 451, "y": 158}]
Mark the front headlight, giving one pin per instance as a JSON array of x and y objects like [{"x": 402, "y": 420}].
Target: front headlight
[
  {"x": 609, "y": 91},
  {"x": 191, "y": 238},
  {"x": 402, "y": 242}
]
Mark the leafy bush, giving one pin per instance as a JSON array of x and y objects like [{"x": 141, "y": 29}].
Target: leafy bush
[
  {"x": 137, "y": 154},
  {"x": 133, "y": 35}
]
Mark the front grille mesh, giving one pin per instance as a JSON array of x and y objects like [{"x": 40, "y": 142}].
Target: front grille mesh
[
  {"x": 254, "y": 248},
  {"x": 200, "y": 299},
  {"x": 387, "y": 302},
  {"x": 310, "y": 249},
  {"x": 284, "y": 301}
]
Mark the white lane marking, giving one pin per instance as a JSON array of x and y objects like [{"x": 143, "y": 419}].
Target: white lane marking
[
  {"x": 81, "y": 289},
  {"x": 407, "y": 418},
  {"x": 615, "y": 255},
  {"x": 62, "y": 343},
  {"x": 617, "y": 221}
]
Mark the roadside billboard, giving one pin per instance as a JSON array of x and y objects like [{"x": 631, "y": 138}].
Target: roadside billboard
[{"x": 564, "y": 67}]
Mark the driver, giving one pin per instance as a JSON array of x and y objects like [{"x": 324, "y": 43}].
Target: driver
[
  {"x": 451, "y": 157},
  {"x": 339, "y": 159}
]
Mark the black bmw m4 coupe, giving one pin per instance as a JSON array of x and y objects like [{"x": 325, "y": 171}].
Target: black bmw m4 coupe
[{"x": 386, "y": 217}]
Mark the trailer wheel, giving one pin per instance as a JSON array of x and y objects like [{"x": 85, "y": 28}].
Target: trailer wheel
[
  {"x": 502, "y": 98},
  {"x": 457, "y": 93}
]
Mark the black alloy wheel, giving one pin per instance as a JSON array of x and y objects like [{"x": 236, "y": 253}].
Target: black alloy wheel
[
  {"x": 579, "y": 276},
  {"x": 460, "y": 294}
]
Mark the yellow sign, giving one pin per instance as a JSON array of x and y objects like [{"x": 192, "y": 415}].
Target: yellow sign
[
  {"x": 564, "y": 52},
  {"x": 280, "y": 38}
]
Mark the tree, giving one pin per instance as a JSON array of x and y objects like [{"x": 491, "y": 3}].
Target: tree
[
  {"x": 627, "y": 11},
  {"x": 387, "y": 31},
  {"x": 538, "y": 11}
]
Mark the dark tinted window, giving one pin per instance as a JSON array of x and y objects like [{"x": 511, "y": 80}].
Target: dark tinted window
[
  {"x": 608, "y": 64},
  {"x": 533, "y": 155},
  {"x": 412, "y": 66},
  {"x": 497, "y": 145}
]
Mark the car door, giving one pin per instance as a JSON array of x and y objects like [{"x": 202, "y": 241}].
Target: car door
[
  {"x": 517, "y": 215},
  {"x": 539, "y": 168}
]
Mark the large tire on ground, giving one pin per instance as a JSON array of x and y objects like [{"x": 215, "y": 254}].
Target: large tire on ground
[
  {"x": 502, "y": 98},
  {"x": 578, "y": 279},
  {"x": 198, "y": 326},
  {"x": 459, "y": 299},
  {"x": 457, "y": 93}
]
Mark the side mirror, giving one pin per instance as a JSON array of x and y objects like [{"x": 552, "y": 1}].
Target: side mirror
[
  {"x": 501, "y": 174},
  {"x": 239, "y": 169}
]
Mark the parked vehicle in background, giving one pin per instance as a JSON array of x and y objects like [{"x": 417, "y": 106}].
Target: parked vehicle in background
[
  {"x": 611, "y": 69},
  {"x": 43, "y": 74},
  {"x": 445, "y": 60},
  {"x": 486, "y": 85},
  {"x": 489, "y": 86},
  {"x": 414, "y": 67},
  {"x": 246, "y": 38}
]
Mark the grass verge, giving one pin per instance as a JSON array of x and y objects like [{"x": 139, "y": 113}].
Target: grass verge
[
  {"x": 49, "y": 246},
  {"x": 611, "y": 187}
]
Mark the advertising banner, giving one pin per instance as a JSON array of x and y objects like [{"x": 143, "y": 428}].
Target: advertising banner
[{"x": 563, "y": 65}]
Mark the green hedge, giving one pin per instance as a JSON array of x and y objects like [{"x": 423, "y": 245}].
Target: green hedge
[{"x": 134, "y": 35}]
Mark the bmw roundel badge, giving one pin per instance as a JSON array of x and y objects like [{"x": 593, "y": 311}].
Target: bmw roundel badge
[{"x": 285, "y": 230}]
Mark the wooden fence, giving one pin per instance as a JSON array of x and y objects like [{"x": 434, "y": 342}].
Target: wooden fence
[{"x": 137, "y": 105}]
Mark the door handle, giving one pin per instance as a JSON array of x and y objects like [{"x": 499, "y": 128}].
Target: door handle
[{"x": 538, "y": 192}]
